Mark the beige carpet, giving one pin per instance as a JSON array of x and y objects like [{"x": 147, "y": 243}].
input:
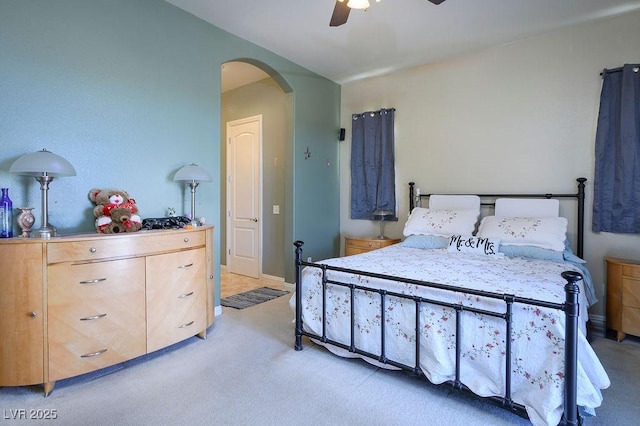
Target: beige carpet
[{"x": 247, "y": 373}]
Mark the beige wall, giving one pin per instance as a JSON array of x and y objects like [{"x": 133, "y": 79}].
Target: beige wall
[
  {"x": 265, "y": 98},
  {"x": 516, "y": 118}
]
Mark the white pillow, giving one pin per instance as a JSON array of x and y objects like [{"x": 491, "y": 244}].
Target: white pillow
[
  {"x": 527, "y": 207},
  {"x": 454, "y": 202},
  {"x": 474, "y": 245},
  {"x": 440, "y": 222},
  {"x": 544, "y": 232}
]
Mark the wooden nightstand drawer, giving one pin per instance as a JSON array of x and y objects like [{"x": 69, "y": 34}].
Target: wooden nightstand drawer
[
  {"x": 631, "y": 320},
  {"x": 363, "y": 245},
  {"x": 623, "y": 296},
  {"x": 630, "y": 292},
  {"x": 368, "y": 244},
  {"x": 632, "y": 271}
]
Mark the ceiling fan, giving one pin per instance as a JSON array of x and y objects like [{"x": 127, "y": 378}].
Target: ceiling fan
[{"x": 343, "y": 7}]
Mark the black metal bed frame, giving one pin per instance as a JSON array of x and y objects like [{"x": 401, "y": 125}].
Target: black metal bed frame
[{"x": 570, "y": 307}]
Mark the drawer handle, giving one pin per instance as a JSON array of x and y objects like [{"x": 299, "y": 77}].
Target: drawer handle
[
  {"x": 182, "y": 296},
  {"x": 189, "y": 324},
  {"x": 186, "y": 240},
  {"x": 185, "y": 266},
  {"x": 370, "y": 245},
  {"x": 93, "y": 250},
  {"x": 33, "y": 314},
  {"x": 91, "y": 355},
  {"x": 94, "y": 317},
  {"x": 96, "y": 281}
]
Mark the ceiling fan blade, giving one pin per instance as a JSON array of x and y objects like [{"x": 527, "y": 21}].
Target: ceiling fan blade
[
  {"x": 436, "y": 2},
  {"x": 340, "y": 14}
]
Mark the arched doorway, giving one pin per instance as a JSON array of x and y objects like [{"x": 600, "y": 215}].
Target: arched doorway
[{"x": 251, "y": 89}]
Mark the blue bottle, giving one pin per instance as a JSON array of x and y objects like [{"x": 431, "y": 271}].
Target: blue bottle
[{"x": 6, "y": 215}]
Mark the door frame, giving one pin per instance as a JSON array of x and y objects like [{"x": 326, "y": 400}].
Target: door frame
[{"x": 229, "y": 201}]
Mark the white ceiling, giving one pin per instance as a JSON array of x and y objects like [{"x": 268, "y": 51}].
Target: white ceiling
[{"x": 392, "y": 34}]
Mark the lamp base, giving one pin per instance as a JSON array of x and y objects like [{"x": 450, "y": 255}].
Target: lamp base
[
  {"x": 45, "y": 232},
  {"x": 382, "y": 237}
]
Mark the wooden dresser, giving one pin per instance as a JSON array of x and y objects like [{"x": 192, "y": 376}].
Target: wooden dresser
[
  {"x": 354, "y": 245},
  {"x": 75, "y": 304},
  {"x": 623, "y": 297}
]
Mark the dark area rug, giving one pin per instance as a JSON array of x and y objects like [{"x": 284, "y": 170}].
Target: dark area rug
[{"x": 251, "y": 298}]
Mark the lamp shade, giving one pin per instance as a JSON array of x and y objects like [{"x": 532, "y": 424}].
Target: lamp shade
[
  {"x": 192, "y": 173},
  {"x": 382, "y": 214},
  {"x": 358, "y": 4},
  {"x": 39, "y": 162}
]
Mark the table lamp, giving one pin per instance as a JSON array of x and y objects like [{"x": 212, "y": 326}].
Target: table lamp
[
  {"x": 43, "y": 166},
  {"x": 192, "y": 175},
  {"x": 381, "y": 215}
]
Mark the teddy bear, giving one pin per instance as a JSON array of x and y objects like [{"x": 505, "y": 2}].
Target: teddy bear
[{"x": 115, "y": 211}]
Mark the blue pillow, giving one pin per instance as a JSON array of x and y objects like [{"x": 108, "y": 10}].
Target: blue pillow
[
  {"x": 532, "y": 252},
  {"x": 425, "y": 242},
  {"x": 569, "y": 256},
  {"x": 535, "y": 252}
]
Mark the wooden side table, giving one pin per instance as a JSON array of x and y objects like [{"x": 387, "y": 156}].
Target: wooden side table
[
  {"x": 353, "y": 245},
  {"x": 623, "y": 297}
]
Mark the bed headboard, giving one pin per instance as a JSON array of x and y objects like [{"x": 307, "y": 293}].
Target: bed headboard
[{"x": 490, "y": 200}]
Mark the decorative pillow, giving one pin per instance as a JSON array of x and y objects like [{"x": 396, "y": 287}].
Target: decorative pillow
[
  {"x": 440, "y": 222},
  {"x": 474, "y": 245},
  {"x": 425, "y": 242},
  {"x": 544, "y": 232},
  {"x": 532, "y": 252},
  {"x": 540, "y": 253}
]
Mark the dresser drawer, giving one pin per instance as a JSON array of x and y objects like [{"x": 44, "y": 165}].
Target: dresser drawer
[
  {"x": 88, "y": 283},
  {"x": 78, "y": 347},
  {"x": 176, "y": 297},
  {"x": 185, "y": 318},
  {"x": 125, "y": 245},
  {"x": 96, "y": 315}
]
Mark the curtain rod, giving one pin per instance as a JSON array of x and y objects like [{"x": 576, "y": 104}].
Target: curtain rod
[
  {"x": 635, "y": 69},
  {"x": 611, "y": 70}
]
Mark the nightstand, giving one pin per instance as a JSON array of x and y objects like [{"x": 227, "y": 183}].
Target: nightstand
[
  {"x": 623, "y": 296},
  {"x": 362, "y": 245}
]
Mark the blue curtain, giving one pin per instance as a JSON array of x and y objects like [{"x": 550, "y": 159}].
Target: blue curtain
[
  {"x": 373, "y": 184},
  {"x": 616, "y": 191}
]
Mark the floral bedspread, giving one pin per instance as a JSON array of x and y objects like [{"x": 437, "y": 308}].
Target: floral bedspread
[{"x": 537, "y": 335}]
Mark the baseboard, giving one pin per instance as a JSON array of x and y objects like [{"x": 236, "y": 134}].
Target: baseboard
[
  {"x": 598, "y": 323},
  {"x": 289, "y": 287},
  {"x": 271, "y": 277}
]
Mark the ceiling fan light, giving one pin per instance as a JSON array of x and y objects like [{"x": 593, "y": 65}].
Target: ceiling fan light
[{"x": 358, "y": 4}]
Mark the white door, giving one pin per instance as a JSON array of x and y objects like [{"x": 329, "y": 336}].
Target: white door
[{"x": 244, "y": 196}]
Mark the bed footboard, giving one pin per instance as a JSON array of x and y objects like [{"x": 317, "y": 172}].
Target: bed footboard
[{"x": 570, "y": 308}]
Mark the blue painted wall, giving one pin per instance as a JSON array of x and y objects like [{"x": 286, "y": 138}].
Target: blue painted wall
[{"x": 128, "y": 92}]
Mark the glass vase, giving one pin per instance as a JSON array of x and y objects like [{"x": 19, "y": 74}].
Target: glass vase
[{"x": 6, "y": 215}]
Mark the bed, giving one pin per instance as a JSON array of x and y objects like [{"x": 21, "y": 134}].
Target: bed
[{"x": 494, "y": 305}]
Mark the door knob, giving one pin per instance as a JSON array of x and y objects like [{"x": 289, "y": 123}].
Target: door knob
[{"x": 255, "y": 219}]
